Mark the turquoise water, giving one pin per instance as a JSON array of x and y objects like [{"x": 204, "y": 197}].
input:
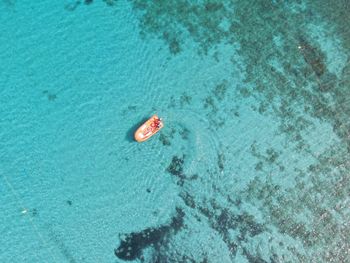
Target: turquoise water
[{"x": 253, "y": 162}]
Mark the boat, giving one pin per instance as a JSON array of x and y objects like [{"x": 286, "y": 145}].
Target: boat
[{"x": 148, "y": 129}]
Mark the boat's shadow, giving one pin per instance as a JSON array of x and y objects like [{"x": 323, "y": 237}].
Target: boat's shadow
[{"x": 130, "y": 133}]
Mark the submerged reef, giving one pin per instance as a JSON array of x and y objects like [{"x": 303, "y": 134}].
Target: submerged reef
[
  {"x": 223, "y": 221},
  {"x": 176, "y": 168},
  {"x": 289, "y": 75},
  {"x": 110, "y": 2},
  {"x": 132, "y": 245},
  {"x": 74, "y": 4},
  {"x": 171, "y": 133},
  {"x": 174, "y": 21},
  {"x": 87, "y": 2},
  {"x": 166, "y": 137},
  {"x": 316, "y": 60}
]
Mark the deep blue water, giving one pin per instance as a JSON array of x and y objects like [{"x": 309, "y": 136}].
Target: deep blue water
[{"x": 253, "y": 162}]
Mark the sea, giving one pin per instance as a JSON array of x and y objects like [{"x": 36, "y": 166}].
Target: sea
[{"x": 253, "y": 162}]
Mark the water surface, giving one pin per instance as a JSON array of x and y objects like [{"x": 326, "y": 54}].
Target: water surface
[{"x": 253, "y": 162}]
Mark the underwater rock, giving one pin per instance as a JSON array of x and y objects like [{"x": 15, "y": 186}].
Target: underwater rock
[
  {"x": 173, "y": 42},
  {"x": 164, "y": 139},
  {"x": 272, "y": 155},
  {"x": 184, "y": 133},
  {"x": 50, "y": 96},
  {"x": 193, "y": 177},
  {"x": 132, "y": 245},
  {"x": 209, "y": 103},
  {"x": 172, "y": 103},
  {"x": 185, "y": 99},
  {"x": 72, "y": 6},
  {"x": 316, "y": 59},
  {"x": 251, "y": 258},
  {"x": 220, "y": 90},
  {"x": 259, "y": 166},
  {"x": 34, "y": 212},
  {"x": 221, "y": 160},
  {"x": 110, "y": 2},
  {"x": 222, "y": 221},
  {"x": 188, "y": 199},
  {"x": 177, "y": 221},
  {"x": 312, "y": 56},
  {"x": 87, "y": 2},
  {"x": 176, "y": 168},
  {"x": 327, "y": 82},
  {"x": 248, "y": 225}
]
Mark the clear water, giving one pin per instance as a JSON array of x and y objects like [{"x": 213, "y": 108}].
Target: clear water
[{"x": 253, "y": 162}]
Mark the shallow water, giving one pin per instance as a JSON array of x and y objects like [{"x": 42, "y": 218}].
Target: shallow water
[{"x": 253, "y": 162}]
